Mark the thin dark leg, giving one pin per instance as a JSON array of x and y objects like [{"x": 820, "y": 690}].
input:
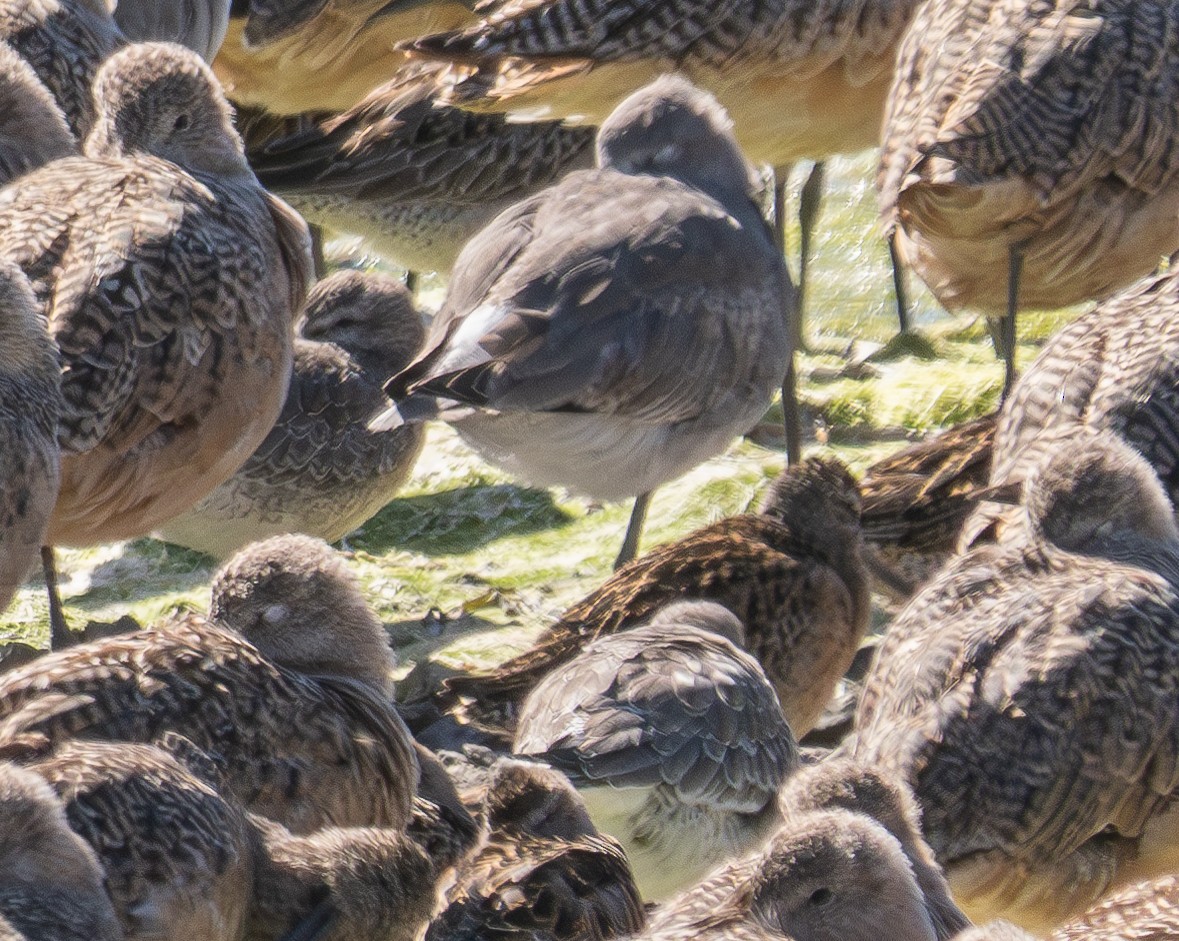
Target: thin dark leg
[
  {"x": 898, "y": 283},
  {"x": 634, "y": 529},
  {"x": 791, "y": 413},
  {"x": 317, "y": 251},
  {"x": 810, "y": 204},
  {"x": 781, "y": 181},
  {"x": 412, "y": 280},
  {"x": 1007, "y": 327},
  {"x": 60, "y": 635}
]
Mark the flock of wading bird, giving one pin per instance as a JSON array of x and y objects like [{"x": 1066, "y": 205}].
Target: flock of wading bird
[{"x": 618, "y": 310}]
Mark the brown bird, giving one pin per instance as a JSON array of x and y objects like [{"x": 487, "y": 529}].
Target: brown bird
[
  {"x": 544, "y": 873},
  {"x": 827, "y": 876},
  {"x": 361, "y": 883},
  {"x": 320, "y": 470},
  {"x": 1147, "y": 911},
  {"x": 1115, "y": 368},
  {"x": 169, "y": 279},
  {"x": 842, "y": 783},
  {"x": 1000, "y": 695},
  {"x": 299, "y": 56},
  {"x": 297, "y": 708},
  {"x": 1028, "y": 151},
  {"x": 65, "y": 42},
  {"x": 674, "y": 738},
  {"x": 51, "y": 883},
  {"x": 415, "y": 178},
  {"x": 793, "y": 574},
  {"x": 33, "y": 129},
  {"x": 30, "y": 404},
  {"x": 177, "y": 856}
]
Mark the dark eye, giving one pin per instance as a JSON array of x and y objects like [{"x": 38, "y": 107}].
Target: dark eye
[
  {"x": 180, "y": 123},
  {"x": 821, "y": 898}
]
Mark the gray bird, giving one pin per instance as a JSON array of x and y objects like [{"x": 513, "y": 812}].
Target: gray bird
[
  {"x": 1115, "y": 368},
  {"x": 320, "y": 471},
  {"x": 198, "y": 24},
  {"x": 620, "y": 327},
  {"x": 1029, "y": 695},
  {"x": 30, "y": 404},
  {"x": 51, "y": 882},
  {"x": 826, "y": 876},
  {"x": 675, "y": 739},
  {"x": 416, "y": 178},
  {"x": 33, "y": 129},
  {"x": 65, "y": 42}
]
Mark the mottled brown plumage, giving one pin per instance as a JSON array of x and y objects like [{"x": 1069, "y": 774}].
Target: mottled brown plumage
[
  {"x": 30, "y": 404},
  {"x": 800, "y": 78},
  {"x": 309, "y": 751},
  {"x": 918, "y": 498},
  {"x": 169, "y": 278},
  {"x": 544, "y": 873},
  {"x": 416, "y": 178},
  {"x": 320, "y": 470},
  {"x": 65, "y": 41},
  {"x": 1146, "y": 911},
  {"x": 176, "y": 855},
  {"x": 1028, "y": 695},
  {"x": 842, "y": 783},
  {"x": 51, "y": 883},
  {"x": 675, "y": 739},
  {"x": 33, "y": 129},
  {"x": 1048, "y": 128},
  {"x": 792, "y": 574},
  {"x": 363, "y": 883},
  {"x": 826, "y": 876},
  {"x": 321, "y": 55},
  {"x": 1115, "y": 368}
]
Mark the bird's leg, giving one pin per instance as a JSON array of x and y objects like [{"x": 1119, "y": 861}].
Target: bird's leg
[
  {"x": 898, "y": 283},
  {"x": 634, "y": 529},
  {"x": 412, "y": 280},
  {"x": 60, "y": 635},
  {"x": 810, "y": 203},
  {"x": 1007, "y": 326},
  {"x": 317, "y": 258},
  {"x": 791, "y": 415}
]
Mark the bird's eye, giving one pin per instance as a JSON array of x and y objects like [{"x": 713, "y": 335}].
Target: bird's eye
[
  {"x": 180, "y": 123},
  {"x": 820, "y": 898}
]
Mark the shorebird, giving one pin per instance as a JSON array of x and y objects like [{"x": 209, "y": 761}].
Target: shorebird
[
  {"x": 33, "y": 129},
  {"x": 65, "y": 42},
  {"x": 620, "y": 327},
  {"x": 297, "y": 707},
  {"x": 802, "y": 79},
  {"x": 543, "y": 873},
  {"x": 169, "y": 278},
  {"x": 198, "y": 24},
  {"x": 674, "y": 738},
  {"x": 30, "y": 405},
  {"x": 320, "y": 471},
  {"x": 177, "y": 857},
  {"x": 51, "y": 883},
  {"x": 793, "y": 574},
  {"x": 1027, "y": 155},
  {"x": 415, "y": 178},
  {"x": 1115, "y": 368},
  {"x": 1000, "y": 694},
  {"x": 292, "y": 58},
  {"x": 827, "y": 875}
]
